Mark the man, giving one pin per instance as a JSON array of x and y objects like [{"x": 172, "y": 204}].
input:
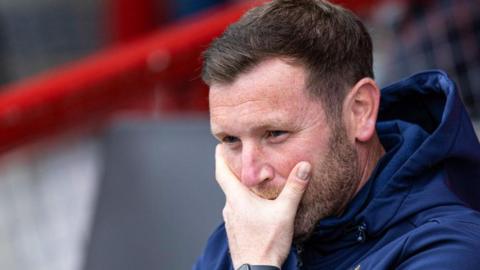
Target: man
[{"x": 312, "y": 179}]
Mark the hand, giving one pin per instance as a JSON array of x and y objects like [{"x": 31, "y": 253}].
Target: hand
[{"x": 259, "y": 231}]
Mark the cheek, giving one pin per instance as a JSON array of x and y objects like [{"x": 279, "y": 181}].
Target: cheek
[
  {"x": 234, "y": 162},
  {"x": 284, "y": 160}
]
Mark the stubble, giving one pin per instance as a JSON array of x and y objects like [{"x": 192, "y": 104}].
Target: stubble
[{"x": 333, "y": 184}]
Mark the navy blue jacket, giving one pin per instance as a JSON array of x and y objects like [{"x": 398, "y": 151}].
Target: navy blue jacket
[{"x": 416, "y": 210}]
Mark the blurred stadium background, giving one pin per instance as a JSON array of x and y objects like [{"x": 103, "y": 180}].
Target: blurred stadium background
[{"x": 106, "y": 159}]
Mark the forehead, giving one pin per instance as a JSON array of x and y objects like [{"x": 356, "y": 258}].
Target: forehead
[
  {"x": 272, "y": 79},
  {"x": 273, "y": 92}
]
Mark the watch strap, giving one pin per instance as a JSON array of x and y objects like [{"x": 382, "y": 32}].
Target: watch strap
[{"x": 257, "y": 267}]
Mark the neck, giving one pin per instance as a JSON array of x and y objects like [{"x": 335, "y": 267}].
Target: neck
[
  {"x": 368, "y": 159},
  {"x": 368, "y": 156}
]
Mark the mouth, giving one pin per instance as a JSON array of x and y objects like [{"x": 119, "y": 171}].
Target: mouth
[{"x": 268, "y": 193}]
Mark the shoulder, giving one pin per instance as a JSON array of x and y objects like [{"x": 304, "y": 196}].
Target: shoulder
[
  {"x": 447, "y": 242},
  {"x": 215, "y": 254}
]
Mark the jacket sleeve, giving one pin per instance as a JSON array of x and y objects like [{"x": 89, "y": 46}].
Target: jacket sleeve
[
  {"x": 452, "y": 245},
  {"x": 216, "y": 255}
]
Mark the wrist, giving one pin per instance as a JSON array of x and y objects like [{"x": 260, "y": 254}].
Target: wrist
[{"x": 257, "y": 261}]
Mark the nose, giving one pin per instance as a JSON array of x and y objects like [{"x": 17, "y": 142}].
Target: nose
[{"x": 255, "y": 166}]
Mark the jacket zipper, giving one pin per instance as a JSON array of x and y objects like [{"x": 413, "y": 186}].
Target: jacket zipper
[
  {"x": 299, "y": 257},
  {"x": 361, "y": 237}
]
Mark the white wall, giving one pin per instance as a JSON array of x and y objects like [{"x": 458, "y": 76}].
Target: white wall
[{"x": 46, "y": 202}]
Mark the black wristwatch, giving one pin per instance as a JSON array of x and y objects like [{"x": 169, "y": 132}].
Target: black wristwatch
[{"x": 257, "y": 267}]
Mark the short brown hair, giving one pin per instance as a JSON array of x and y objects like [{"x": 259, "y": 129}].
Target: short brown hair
[{"x": 330, "y": 41}]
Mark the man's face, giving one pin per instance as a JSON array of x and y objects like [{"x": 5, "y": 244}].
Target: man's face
[{"x": 267, "y": 124}]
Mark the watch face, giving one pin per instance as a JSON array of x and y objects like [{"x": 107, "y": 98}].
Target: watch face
[
  {"x": 244, "y": 267},
  {"x": 257, "y": 267}
]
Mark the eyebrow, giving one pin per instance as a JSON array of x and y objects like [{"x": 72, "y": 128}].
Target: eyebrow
[{"x": 263, "y": 124}]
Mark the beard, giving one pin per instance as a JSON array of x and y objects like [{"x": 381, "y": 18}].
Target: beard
[
  {"x": 334, "y": 180},
  {"x": 333, "y": 184}
]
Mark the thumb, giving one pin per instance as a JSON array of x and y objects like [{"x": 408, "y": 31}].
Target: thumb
[{"x": 296, "y": 185}]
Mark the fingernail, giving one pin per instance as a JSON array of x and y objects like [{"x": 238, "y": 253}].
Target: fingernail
[{"x": 303, "y": 170}]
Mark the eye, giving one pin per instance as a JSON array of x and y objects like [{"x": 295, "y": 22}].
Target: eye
[
  {"x": 277, "y": 135},
  {"x": 230, "y": 139}
]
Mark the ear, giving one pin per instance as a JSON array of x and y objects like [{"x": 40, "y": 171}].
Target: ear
[{"x": 361, "y": 109}]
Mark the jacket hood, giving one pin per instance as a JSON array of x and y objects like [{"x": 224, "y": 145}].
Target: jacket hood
[
  {"x": 423, "y": 126},
  {"x": 430, "y": 100}
]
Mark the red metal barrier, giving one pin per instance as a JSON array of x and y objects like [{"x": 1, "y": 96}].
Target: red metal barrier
[
  {"x": 128, "y": 20},
  {"x": 90, "y": 90}
]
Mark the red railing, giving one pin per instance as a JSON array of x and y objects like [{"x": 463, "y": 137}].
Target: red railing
[{"x": 159, "y": 71}]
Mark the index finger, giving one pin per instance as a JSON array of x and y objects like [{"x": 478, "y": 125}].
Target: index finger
[{"x": 228, "y": 182}]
